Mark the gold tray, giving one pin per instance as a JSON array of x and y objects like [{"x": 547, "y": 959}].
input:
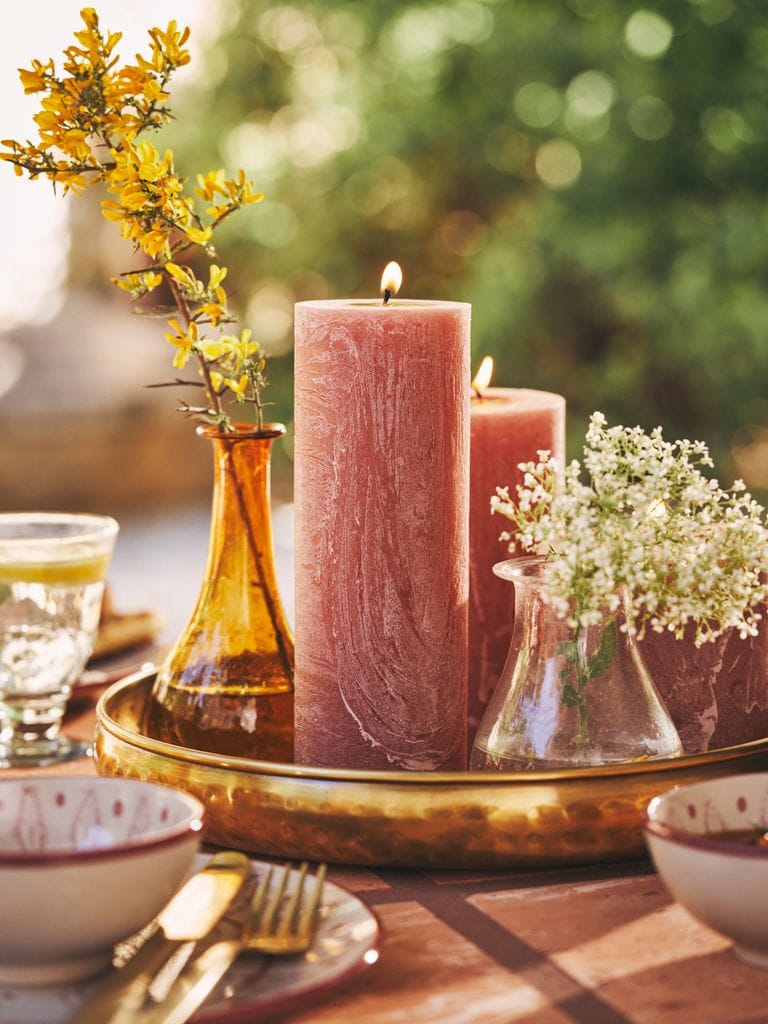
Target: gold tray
[{"x": 405, "y": 819}]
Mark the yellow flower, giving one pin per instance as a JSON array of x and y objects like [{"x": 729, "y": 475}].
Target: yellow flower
[
  {"x": 92, "y": 45},
  {"x": 134, "y": 197},
  {"x": 238, "y": 386},
  {"x": 248, "y": 195},
  {"x": 150, "y": 167},
  {"x": 76, "y": 183},
  {"x": 212, "y": 348},
  {"x": 214, "y": 311},
  {"x": 181, "y": 357},
  {"x": 91, "y": 18},
  {"x": 215, "y": 276},
  {"x": 243, "y": 348},
  {"x": 211, "y": 183},
  {"x": 181, "y": 273},
  {"x": 151, "y": 280},
  {"x": 166, "y": 49},
  {"x": 200, "y": 236},
  {"x": 183, "y": 340},
  {"x": 128, "y": 282},
  {"x": 219, "y": 212},
  {"x": 34, "y": 80},
  {"x": 242, "y": 190},
  {"x": 46, "y": 121},
  {"x": 112, "y": 210},
  {"x": 75, "y": 143},
  {"x": 112, "y": 40},
  {"x": 155, "y": 242},
  {"x": 139, "y": 283},
  {"x": 217, "y": 379}
]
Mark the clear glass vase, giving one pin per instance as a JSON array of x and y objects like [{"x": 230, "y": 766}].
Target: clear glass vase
[
  {"x": 227, "y": 684},
  {"x": 569, "y": 698}
]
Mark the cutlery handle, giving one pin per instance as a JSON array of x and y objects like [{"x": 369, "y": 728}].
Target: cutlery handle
[
  {"x": 191, "y": 914},
  {"x": 199, "y": 979},
  {"x": 119, "y": 997}
]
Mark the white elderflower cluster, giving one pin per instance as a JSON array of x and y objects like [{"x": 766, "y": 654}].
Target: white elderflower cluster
[{"x": 640, "y": 520}]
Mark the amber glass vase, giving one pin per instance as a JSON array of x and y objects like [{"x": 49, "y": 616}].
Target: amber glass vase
[{"x": 227, "y": 684}]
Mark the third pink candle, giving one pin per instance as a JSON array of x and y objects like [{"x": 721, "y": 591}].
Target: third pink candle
[{"x": 507, "y": 426}]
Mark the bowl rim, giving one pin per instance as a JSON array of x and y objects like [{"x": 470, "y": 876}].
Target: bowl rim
[
  {"x": 170, "y": 835},
  {"x": 708, "y": 843},
  {"x": 698, "y": 840}
]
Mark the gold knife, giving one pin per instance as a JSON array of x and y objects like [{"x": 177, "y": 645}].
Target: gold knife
[
  {"x": 262, "y": 932},
  {"x": 191, "y": 914}
]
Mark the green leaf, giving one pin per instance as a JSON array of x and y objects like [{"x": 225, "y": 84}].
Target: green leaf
[
  {"x": 571, "y": 696},
  {"x": 569, "y": 650},
  {"x": 598, "y": 662}
]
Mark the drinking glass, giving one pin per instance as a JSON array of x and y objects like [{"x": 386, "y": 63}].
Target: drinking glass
[{"x": 52, "y": 571}]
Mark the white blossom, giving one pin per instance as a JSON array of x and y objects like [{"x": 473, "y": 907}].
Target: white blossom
[{"x": 639, "y": 517}]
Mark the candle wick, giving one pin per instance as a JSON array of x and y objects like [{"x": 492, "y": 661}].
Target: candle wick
[
  {"x": 477, "y": 392},
  {"x": 387, "y": 296}
]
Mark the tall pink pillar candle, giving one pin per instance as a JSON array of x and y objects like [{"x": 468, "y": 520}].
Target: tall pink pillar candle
[
  {"x": 382, "y": 533},
  {"x": 508, "y": 426}
]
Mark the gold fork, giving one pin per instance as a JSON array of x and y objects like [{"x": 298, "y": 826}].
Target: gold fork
[
  {"x": 268, "y": 928},
  {"x": 271, "y": 926}
]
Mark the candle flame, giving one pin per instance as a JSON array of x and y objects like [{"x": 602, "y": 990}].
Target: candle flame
[
  {"x": 391, "y": 280},
  {"x": 484, "y": 374}
]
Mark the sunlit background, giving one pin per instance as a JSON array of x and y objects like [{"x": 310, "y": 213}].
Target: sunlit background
[
  {"x": 37, "y": 251},
  {"x": 589, "y": 174}
]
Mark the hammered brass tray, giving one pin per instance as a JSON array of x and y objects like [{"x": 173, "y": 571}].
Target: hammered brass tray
[{"x": 406, "y": 819}]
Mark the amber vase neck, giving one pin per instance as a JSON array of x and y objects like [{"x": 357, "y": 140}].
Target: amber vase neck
[{"x": 241, "y": 544}]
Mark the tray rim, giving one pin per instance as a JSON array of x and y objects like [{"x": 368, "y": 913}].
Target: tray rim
[{"x": 473, "y": 779}]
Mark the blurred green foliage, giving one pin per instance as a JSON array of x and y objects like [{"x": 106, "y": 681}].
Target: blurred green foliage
[{"x": 589, "y": 174}]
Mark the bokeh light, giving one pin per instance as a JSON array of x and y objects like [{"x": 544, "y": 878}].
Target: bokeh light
[
  {"x": 538, "y": 104},
  {"x": 590, "y": 94},
  {"x": 558, "y": 163},
  {"x": 650, "y": 118},
  {"x": 577, "y": 171},
  {"x": 648, "y": 34}
]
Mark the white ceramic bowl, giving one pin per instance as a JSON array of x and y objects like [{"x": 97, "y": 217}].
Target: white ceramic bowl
[
  {"x": 722, "y": 882},
  {"x": 84, "y": 863}
]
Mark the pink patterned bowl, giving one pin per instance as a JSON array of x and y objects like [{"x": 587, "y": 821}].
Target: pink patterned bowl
[
  {"x": 84, "y": 863},
  {"x": 720, "y": 879}
]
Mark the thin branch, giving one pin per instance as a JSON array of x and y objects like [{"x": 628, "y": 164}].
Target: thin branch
[{"x": 183, "y": 308}]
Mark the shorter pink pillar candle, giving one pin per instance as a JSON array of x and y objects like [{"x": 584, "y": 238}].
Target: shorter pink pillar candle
[
  {"x": 382, "y": 534},
  {"x": 507, "y": 426}
]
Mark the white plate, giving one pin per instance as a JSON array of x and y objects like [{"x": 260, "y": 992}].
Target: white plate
[{"x": 346, "y": 943}]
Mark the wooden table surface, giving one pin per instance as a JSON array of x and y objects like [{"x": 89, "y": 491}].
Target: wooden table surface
[{"x": 591, "y": 945}]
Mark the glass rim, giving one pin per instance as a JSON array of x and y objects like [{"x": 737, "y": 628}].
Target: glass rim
[
  {"x": 520, "y": 568},
  {"x": 96, "y": 529},
  {"x": 243, "y": 432}
]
